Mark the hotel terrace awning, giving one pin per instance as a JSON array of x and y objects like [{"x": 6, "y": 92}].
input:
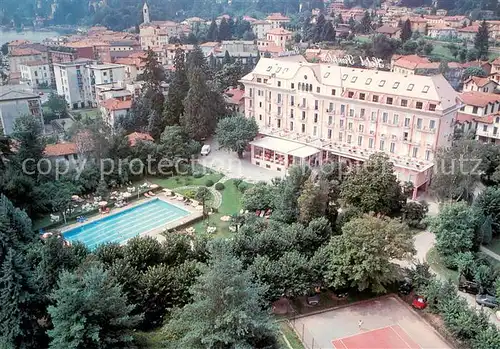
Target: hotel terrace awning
[{"x": 285, "y": 147}]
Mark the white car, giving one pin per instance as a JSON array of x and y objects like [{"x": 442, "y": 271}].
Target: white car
[{"x": 205, "y": 150}]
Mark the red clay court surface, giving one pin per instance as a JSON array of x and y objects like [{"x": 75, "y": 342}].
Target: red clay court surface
[{"x": 390, "y": 337}]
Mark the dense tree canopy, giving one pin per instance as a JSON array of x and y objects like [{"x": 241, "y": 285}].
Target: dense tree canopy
[{"x": 235, "y": 132}]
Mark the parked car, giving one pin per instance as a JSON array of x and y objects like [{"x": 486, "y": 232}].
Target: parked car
[
  {"x": 313, "y": 299},
  {"x": 468, "y": 286},
  {"x": 487, "y": 300},
  {"x": 205, "y": 150},
  {"x": 419, "y": 303},
  {"x": 405, "y": 286}
]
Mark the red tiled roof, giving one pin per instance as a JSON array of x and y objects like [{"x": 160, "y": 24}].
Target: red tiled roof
[
  {"x": 496, "y": 61},
  {"x": 469, "y": 29},
  {"x": 277, "y": 17},
  {"x": 479, "y": 99},
  {"x": 19, "y": 42},
  {"x": 488, "y": 119},
  {"x": 479, "y": 81},
  {"x": 271, "y": 49},
  {"x": 462, "y": 117},
  {"x": 24, "y": 52},
  {"x": 116, "y": 104},
  {"x": 386, "y": 29},
  {"x": 60, "y": 149},
  {"x": 34, "y": 63},
  {"x": 279, "y": 31},
  {"x": 235, "y": 95},
  {"x": 137, "y": 136}
]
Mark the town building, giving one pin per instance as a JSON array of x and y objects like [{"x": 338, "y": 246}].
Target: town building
[
  {"x": 487, "y": 128},
  {"x": 442, "y": 31},
  {"x": 260, "y": 29},
  {"x": 476, "y": 83},
  {"x": 468, "y": 33},
  {"x": 114, "y": 109},
  {"x": 63, "y": 152},
  {"x": 240, "y": 50},
  {"x": 72, "y": 82},
  {"x": 15, "y": 101},
  {"x": 18, "y": 56},
  {"x": 36, "y": 74},
  {"x": 235, "y": 100},
  {"x": 312, "y": 113},
  {"x": 388, "y": 31},
  {"x": 476, "y": 106},
  {"x": 277, "y": 20}
]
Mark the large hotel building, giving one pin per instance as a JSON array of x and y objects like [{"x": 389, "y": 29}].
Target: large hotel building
[{"x": 311, "y": 113}]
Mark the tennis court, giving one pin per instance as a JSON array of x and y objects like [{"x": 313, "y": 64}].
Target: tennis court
[{"x": 387, "y": 323}]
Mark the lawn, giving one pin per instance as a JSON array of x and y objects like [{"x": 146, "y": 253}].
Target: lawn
[
  {"x": 436, "y": 263},
  {"x": 231, "y": 204},
  {"x": 181, "y": 181},
  {"x": 494, "y": 246},
  {"x": 88, "y": 113},
  {"x": 149, "y": 340},
  {"x": 291, "y": 336}
]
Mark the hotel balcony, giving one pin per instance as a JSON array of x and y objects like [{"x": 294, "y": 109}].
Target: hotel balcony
[
  {"x": 347, "y": 150},
  {"x": 427, "y": 129},
  {"x": 302, "y": 106},
  {"x": 488, "y": 134}
]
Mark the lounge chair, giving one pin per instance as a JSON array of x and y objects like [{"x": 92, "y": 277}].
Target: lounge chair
[
  {"x": 262, "y": 214},
  {"x": 257, "y": 213},
  {"x": 147, "y": 195},
  {"x": 151, "y": 193}
]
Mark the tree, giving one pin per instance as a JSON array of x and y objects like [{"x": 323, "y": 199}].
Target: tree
[
  {"x": 90, "y": 310},
  {"x": 226, "y": 309},
  {"x": 486, "y": 231},
  {"x": 286, "y": 204},
  {"x": 229, "y": 75},
  {"x": 102, "y": 189},
  {"x": 176, "y": 144},
  {"x": 474, "y": 71},
  {"x": 373, "y": 187},
  {"x": 201, "y": 108},
  {"x": 328, "y": 34},
  {"x": 489, "y": 203},
  {"x": 455, "y": 227},
  {"x": 224, "y": 32},
  {"x": 406, "y": 31},
  {"x": 366, "y": 23},
  {"x": 362, "y": 256},
  {"x": 143, "y": 252},
  {"x": 319, "y": 29},
  {"x": 261, "y": 196},
  {"x": 28, "y": 133},
  {"x": 235, "y": 133},
  {"x": 383, "y": 47},
  {"x": 196, "y": 60},
  {"x": 481, "y": 40},
  {"x": 212, "y": 33},
  {"x": 414, "y": 213},
  {"x": 177, "y": 92},
  {"x": 58, "y": 105},
  {"x": 203, "y": 194},
  {"x": 312, "y": 202}
]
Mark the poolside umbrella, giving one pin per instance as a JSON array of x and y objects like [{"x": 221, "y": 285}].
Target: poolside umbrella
[
  {"x": 126, "y": 195},
  {"x": 153, "y": 186},
  {"x": 103, "y": 203},
  {"x": 75, "y": 197}
]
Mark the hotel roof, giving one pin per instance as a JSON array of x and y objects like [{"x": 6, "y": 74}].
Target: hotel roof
[
  {"x": 61, "y": 149},
  {"x": 24, "y": 52},
  {"x": 277, "y": 17},
  {"x": 113, "y": 104},
  {"x": 34, "y": 63},
  {"x": 279, "y": 31},
  {"x": 479, "y": 99},
  {"x": 138, "y": 136},
  {"x": 419, "y": 87},
  {"x": 479, "y": 81}
]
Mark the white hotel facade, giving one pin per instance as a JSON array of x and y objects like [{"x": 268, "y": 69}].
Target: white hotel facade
[{"x": 312, "y": 113}]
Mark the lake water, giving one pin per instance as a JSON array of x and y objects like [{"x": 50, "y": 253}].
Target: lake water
[{"x": 33, "y": 36}]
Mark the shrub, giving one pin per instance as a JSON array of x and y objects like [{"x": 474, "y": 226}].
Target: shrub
[
  {"x": 219, "y": 186},
  {"x": 209, "y": 183},
  {"x": 243, "y": 187},
  {"x": 237, "y": 182},
  {"x": 190, "y": 193},
  {"x": 198, "y": 174}
]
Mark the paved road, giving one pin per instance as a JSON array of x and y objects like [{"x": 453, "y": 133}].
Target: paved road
[{"x": 490, "y": 253}]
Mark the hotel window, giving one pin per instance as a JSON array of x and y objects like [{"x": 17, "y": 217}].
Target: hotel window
[
  {"x": 407, "y": 122},
  {"x": 279, "y": 111},
  {"x": 260, "y": 104},
  {"x": 344, "y": 76},
  {"x": 463, "y": 108},
  {"x": 292, "y": 100},
  {"x": 291, "y": 125},
  {"x": 315, "y": 118},
  {"x": 351, "y": 112},
  {"x": 395, "y": 119},
  {"x": 341, "y": 123},
  {"x": 370, "y": 143},
  {"x": 368, "y": 81},
  {"x": 342, "y": 109},
  {"x": 485, "y": 128},
  {"x": 410, "y": 87},
  {"x": 361, "y": 128},
  {"x": 340, "y": 136},
  {"x": 326, "y": 75},
  {"x": 362, "y": 112},
  {"x": 349, "y": 126},
  {"x": 315, "y": 130},
  {"x": 318, "y": 89},
  {"x": 349, "y": 139},
  {"x": 279, "y": 83},
  {"x": 432, "y": 124},
  {"x": 425, "y": 89},
  {"x": 310, "y": 87},
  {"x": 396, "y": 85},
  {"x": 474, "y": 110},
  {"x": 385, "y": 116},
  {"x": 269, "y": 68},
  {"x": 374, "y": 116},
  {"x": 260, "y": 117},
  {"x": 415, "y": 152},
  {"x": 497, "y": 120},
  {"x": 333, "y": 92},
  {"x": 350, "y": 94},
  {"x": 329, "y": 134},
  {"x": 404, "y": 102},
  {"x": 393, "y": 147},
  {"x": 354, "y": 78},
  {"x": 303, "y": 128},
  {"x": 495, "y": 130},
  {"x": 362, "y": 96},
  {"x": 427, "y": 155},
  {"x": 382, "y": 144},
  {"x": 330, "y": 107},
  {"x": 432, "y": 107},
  {"x": 259, "y": 80},
  {"x": 251, "y": 92},
  {"x": 388, "y": 100},
  {"x": 419, "y": 105},
  {"x": 251, "y": 103},
  {"x": 316, "y": 105},
  {"x": 360, "y": 141},
  {"x": 381, "y": 83},
  {"x": 292, "y": 85},
  {"x": 419, "y": 123},
  {"x": 269, "y": 107},
  {"x": 405, "y": 136},
  {"x": 375, "y": 98},
  {"x": 330, "y": 120},
  {"x": 279, "y": 97},
  {"x": 303, "y": 115},
  {"x": 291, "y": 113},
  {"x": 278, "y": 123}
]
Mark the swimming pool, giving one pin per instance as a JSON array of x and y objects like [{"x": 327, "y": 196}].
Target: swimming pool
[{"x": 126, "y": 224}]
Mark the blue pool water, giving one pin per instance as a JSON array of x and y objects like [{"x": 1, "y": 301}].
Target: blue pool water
[{"x": 126, "y": 224}]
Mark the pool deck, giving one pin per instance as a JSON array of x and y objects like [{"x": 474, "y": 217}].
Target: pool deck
[{"x": 156, "y": 233}]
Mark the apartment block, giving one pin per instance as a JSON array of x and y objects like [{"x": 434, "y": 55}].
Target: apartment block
[
  {"x": 36, "y": 74},
  {"x": 312, "y": 113},
  {"x": 17, "y": 100}
]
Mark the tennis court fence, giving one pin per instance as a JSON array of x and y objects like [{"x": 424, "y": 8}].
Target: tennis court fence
[{"x": 304, "y": 334}]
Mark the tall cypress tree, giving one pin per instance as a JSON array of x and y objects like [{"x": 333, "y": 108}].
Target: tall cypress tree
[
  {"x": 224, "y": 30},
  {"x": 177, "y": 92},
  {"x": 212, "y": 31},
  {"x": 481, "y": 41},
  {"x": 328, "y": 32},
  {"x": 366, "y": 23},
  {"x": 318, "y": 28},
  {"x": 406, "y": 31}
]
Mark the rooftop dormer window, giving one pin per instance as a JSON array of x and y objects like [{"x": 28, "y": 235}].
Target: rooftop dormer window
[
  {"x": 354, "y": 78},
  {"x": 425, "y": 89},
  {"x": 410, "y": 87},
  {"x": 368, "y": 81},
  {"x": 381, "y": 83},
  {"x": 326, "y": 75},
  {"x": 344, "y": 77},
  {"x": 269, "y": 68},
  {"x": 396, "y": 85}
]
